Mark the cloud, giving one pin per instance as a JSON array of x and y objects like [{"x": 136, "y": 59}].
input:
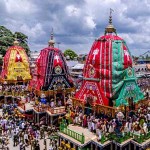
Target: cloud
[
  {"x": 77, "y": 23},
  {"x": 34, "y": 31},
  {"x": 89, "y": 21},
  {"x": 20, "y": 6},
  {"x": 71, "y": 10}
]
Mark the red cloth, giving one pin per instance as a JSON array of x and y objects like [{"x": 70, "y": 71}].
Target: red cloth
[
  {"x": 18, "y": 58},
  {"x": 48, "y": 59},
  {"x": 93, "y": 90},
  {"x": 98, "y": 69},
  {"x": 7, "y": 58}
]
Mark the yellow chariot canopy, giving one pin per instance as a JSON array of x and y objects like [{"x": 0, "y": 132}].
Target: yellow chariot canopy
[{"x": 16, "y": 66}]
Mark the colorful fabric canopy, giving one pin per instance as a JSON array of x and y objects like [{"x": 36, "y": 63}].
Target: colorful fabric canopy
[
  {"x": 105, "y": 71},
  {"x": 52, "y": 71},
  {"x": 130, "y": 92},
  {"x": 16, "y": 65}
]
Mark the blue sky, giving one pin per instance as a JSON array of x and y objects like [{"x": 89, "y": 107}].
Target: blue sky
[{"x": 77, "y": 23}]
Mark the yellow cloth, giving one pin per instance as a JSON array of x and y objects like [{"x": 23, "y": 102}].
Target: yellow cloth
[{"x": 18, "y": 69}]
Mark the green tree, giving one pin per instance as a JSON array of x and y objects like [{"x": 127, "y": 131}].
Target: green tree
[
  {"x": 70, "y": 53},
  {"x": 22, "y": 38},
  {"x": 7, "y": 38}
]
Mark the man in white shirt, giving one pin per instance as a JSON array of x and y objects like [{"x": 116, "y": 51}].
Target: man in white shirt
[
  {"x": 52, "y": 104},
  {"x": 148, "y": 117},
  {"x": 22, "y": 125},
  {"x": 26, "y": 138}
]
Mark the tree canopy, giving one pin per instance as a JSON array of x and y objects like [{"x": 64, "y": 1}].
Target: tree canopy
[
  {"x": 70, "y": 53},
  {"x": 7, "y": 38}
]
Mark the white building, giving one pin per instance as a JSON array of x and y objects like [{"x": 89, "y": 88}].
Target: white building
[
  {"x": 77, "y": 70},
  {"x": 33, "y": 56}
]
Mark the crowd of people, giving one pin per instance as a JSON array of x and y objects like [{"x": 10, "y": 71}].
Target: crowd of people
[
  {"x": 144, "y": 84},
  {"x": 23, "y": 132},
  {"x": 134, "y": 122},
  {"x": 19, "y": 89}
]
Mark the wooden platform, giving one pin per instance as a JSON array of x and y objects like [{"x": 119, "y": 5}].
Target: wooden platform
[
  {"x": 56, "y": 111},
  {"x": 28, "y": 107},
  {"x": 89, "y": 137},
  {"x": 123, "y": 144},
  {"x": 143, "y": 145},
  {"x": 100, "y": 145}
]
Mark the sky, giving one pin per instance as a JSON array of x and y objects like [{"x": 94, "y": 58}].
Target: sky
[{"x": 77, "y": 23}]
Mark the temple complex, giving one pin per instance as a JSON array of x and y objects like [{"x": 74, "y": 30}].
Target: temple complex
[
  {"x": 15, "y": 65},
  {"x": 108, "y": 112}
]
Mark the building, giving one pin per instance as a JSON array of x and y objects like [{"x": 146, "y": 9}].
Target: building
[
  {"x": 33, "y": 57},
  {"x": 77, "y": 70},
  {"x": 144, "y": 58}
]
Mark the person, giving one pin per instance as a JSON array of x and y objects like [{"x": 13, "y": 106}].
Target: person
[
  {"x": 1, "y": 128},
  {"x": 84, "y": 121},
  {"x": 9, "y": 130},
  {"x": 21, "y": 146},
  {"x": 37, "y": 133},
  {"x": 52, "y": 104},
  {"x": 45, "y": 144},
  {"x": 51, "y": 147},
  {"x": 145, "y": 129},
  {"x": 23, "y": 125},
  {"x": 33, "y": 141},
  {"x": 56, "y": 145},
  {"x": 37, "y": 146},
  {"x": 49, "y": 131},
  {"x": 99, "y": 133},
  {"x": 67, "y": 116},
  {"x": 26, "y": 138},
  {"x": 148, "y": 117},
  {"x": 111, "y": 128},
  {"x": 69, "y": 102},
  {"x": 93, "y": 126},
  {"x": 15, "y": 139},
  {"x": 59, "y": 103},
  {"x": 41, "y": 133}
]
